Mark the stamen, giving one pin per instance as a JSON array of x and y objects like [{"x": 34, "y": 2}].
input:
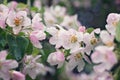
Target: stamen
[{"x": 73, "y": 39}]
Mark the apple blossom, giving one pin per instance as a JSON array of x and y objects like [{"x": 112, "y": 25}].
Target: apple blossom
[
  {"x": 18, "y": 21},
  {"x": 56, "y": 58},
  {"x": 57, "y": 36},
  {"x": 50, "y": 20},
  {"x": 6, "y": 65},
  {"x": 113, "y": 19},
  {"x": 72, "y": 40},
  {"x": 32, "y": 67},
  {"x": 107, "y": 58},
  {"x": 3, "y": 15},
  {"x": 37, "y": 36},
  {"x": 75, "y": 60},
  {"x": 58, "y": 11},
  {"x": 106, "y": 38},
  {"x": 36, "y": 22},
  {"x": 70, "y": 22},
  {"x": 38, "y": 31},
  {"x": 12, "y": 5},
  {"x": 90, "y": 41}
]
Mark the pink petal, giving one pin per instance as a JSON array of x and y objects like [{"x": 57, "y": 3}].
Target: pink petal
[
  {"x": 35, "y": 41},
  {"x": 3, "y": 55},
  {"x": 10, "y": 64},
  {"x": 17, "y": 75},
  {"x": 2, "y": 24}
]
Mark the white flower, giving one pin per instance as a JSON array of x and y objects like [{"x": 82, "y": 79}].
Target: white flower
[
  {"x": 50, "y": 20},
  {"x": 72, "y": 40},
  {"x": 90, "y": 41},
  {"x": 113, "y": 19},
  {"x": 58, "y": 11},
  {"x": 32, "y": 67},
  {"x": 106, "y": 38},
  {"x": 57, "y": 36},
  {"x": 75, "y": 60},
  {"x": 36, "y": 22},
  {"x": 18, "y": 21},
  {"x": 37, "y": 34},
  {"x": 70, "y": 22}
]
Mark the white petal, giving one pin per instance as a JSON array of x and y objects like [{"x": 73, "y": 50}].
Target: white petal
[
  {"x": 22, "y": 13},
  {"x": 111, "y": 29},
  {"x": 17, "y": 29},
  {"x": 106, "y": 37},
  {"x": 80, "y": 65},
  {"x": 27, "y": 22}
]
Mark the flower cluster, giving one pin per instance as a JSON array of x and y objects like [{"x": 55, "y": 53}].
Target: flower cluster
[{"x": 32, "y": 39}]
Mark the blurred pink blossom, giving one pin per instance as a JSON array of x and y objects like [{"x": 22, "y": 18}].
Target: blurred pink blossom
[
  {"x": 56, "y": 58},
  {"x": 105, "y": 56},
  {"x": 3, "y": 15},
  {"x": 6, "y": 65}
]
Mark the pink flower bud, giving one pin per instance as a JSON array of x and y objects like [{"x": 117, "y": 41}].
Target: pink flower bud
[{"x": 82, "y": 29}]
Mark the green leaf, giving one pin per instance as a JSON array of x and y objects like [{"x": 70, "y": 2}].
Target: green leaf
[
  {"x": 22, "y": 43},
  {"x": 34, "y": 9},
  {"x": 117, "y": 74},
  {"x": 21, "y": 5},
  {"x": 2, "y": 39},
  {"x": 89, "y": 30},
  {"x": 29, "y": 49},
  {"x": 28, "y": 77},
  {"x": 117, "y": 36},
  {"x": 17, "y": 46},
  {"x": 21, "y": 34},
  {"x": 9, "y": 56}
]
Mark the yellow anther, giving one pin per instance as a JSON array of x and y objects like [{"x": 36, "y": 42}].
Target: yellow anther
[
  {"x": 93, "y": 41},
  {"x": 18, "y": 21},
  {"x": 73, "y": 39}
]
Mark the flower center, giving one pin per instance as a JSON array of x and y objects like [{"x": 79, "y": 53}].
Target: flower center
[
  {"x": 115, "y": 23},
  {"x": 78, "y": 56},
  {"x": 73, "y": 39},
  {"x": 51, "y": 21},
  {"x": 93, "y": 41},
  {"x": 70, "y": 23},
  {"x": 18, "y": 21},
  {"x": 109, "y": 44}
]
